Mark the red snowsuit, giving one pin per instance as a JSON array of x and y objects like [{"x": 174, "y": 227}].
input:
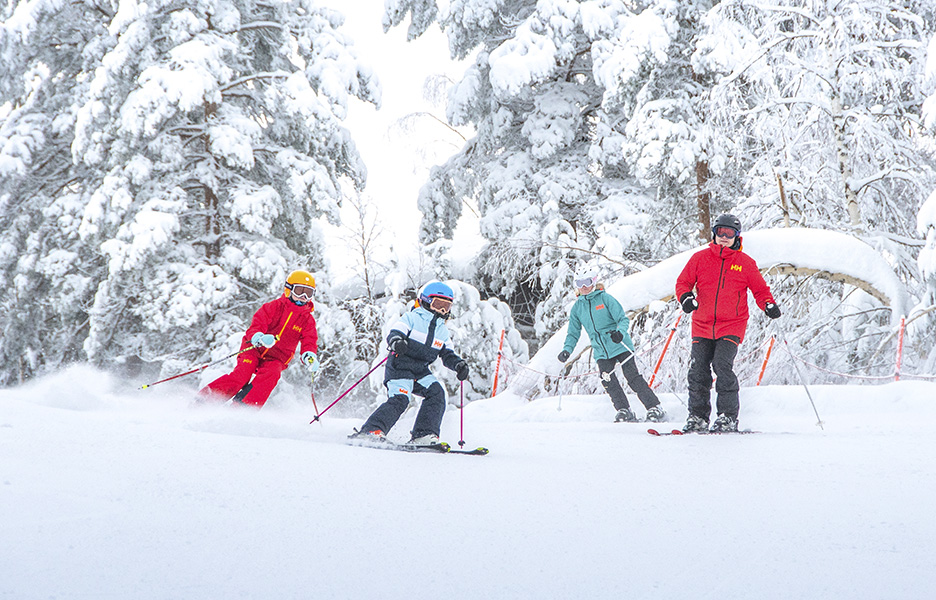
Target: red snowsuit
[
  {"x": 293, "y": 324},
  {"x": 721, "y": 277}
]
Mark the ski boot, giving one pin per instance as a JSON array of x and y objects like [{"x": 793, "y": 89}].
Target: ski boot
[
  {"x": 370, "y": 436},
  {"x": 694, "y": 424},
  {"x": 725, "y": 424},
  {"x": 625, "y": 415},
  {"x": 656, "y": 414},
  {"x": 429, "y": 441}
]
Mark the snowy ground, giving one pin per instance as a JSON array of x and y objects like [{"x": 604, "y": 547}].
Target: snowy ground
[{"x": 107, "y": 494}]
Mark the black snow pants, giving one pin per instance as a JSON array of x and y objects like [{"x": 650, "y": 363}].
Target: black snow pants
[
  {"x": 428, "y": 419},
  {"x": 634, "y": 379},
  {"x": 718, "y": 356}
]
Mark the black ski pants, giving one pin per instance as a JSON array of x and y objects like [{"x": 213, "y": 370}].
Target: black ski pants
[
  {"x": 718, "y": 356},
  {"x": 428, "y": 419},
  {"x": 634, "y": 379}
]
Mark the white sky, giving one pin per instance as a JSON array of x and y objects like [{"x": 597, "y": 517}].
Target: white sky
[{"x": 397, "y": 163}]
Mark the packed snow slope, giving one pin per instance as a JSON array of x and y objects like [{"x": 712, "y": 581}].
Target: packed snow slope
[{"x": 109, "y": 493}]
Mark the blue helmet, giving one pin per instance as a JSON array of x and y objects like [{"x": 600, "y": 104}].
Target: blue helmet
[{"x": 440, "y": 291}]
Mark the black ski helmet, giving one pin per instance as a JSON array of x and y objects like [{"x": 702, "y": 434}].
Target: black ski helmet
[{"x": 729, "y": 220}]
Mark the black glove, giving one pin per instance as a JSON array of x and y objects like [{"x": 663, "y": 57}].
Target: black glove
[
  {"x": 689, "y": 303},
  {"x": 398, "y": 345},
  {"x": 617, "y": 337},
  {"x": 461, "y": 370},
  {"x": 563, "y": 356},
  {"x": 772, "y": 310}
]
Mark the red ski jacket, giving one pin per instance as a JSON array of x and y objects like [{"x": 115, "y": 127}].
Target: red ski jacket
[
  {"x": 292, "y": 323},
  {"x": 721, "y": 278}
]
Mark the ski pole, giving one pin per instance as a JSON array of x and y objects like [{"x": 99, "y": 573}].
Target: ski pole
[
  {"x": 197, "y": 369},
  {"x": 461, "y": 415},
  {"x": 347, "y": 391},
  {"x": 314, "y": 405},
  {"x": 559, "y": 391},
  {"x": 669, "y": 338},
  {"x": 803, "y": 380}
]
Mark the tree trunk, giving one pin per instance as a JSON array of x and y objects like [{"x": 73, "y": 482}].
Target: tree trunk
[
  {"x": 212, "y": 226},
  {"x": 703, "y": 201},
  {"x": 841, "y": 146},
  {"x": 784, "y": 206}
]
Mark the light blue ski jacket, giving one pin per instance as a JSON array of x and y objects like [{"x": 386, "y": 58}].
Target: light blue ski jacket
[{"x": 600, "y": 314}]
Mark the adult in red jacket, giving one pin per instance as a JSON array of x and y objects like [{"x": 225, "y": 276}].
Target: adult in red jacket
[
  {"x": 275, "y": 331},
  {"x": 721, "y": 275}
]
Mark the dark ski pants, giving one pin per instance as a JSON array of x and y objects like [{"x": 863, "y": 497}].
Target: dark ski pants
[
  {"x": 429, "y": 417},
  {"x": 634, "y": 379},
  {"x": 265, "y": 372},
  {"x": 718, "y": 356}
]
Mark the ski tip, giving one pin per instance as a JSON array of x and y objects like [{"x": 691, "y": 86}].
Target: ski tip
[
  {"x": 661, "y": 433},
  {"x": 479, "y": 451}
]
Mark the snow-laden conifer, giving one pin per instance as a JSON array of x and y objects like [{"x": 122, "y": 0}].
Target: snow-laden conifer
[
  {"x": 207, "y": 142},
  {"x": 47, "y": 275}
]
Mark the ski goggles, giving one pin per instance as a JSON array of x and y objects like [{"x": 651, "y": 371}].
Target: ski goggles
[
  {"x": 726, "y": 232},
  {"x": 583, "y": 283},
  {"x": 440, "y": 305},
  {"x": 302, "y": 292}
]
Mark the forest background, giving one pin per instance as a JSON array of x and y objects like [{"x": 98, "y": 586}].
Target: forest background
[{"x": 165, "y": 164}]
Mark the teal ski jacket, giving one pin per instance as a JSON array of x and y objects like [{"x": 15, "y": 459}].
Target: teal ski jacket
[{"x": 600, "y": 314}]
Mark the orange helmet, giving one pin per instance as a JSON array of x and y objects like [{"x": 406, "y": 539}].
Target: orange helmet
[{"x": 300, "y": 287}]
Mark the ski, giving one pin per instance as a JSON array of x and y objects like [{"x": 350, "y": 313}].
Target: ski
[
  {"x": 679, "y": 432},
  {"x": 660, "y": 433},
  {"x": 479, "y": 451},
  {"x": 442, "y": 448}
]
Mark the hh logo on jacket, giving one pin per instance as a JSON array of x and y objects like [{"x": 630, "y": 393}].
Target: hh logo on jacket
[
  {"x": 736, "y": 268},
  {"x": 599, "y": 307},
  {"x": 297, "y": 328},
  {"x": 436, "y": 343}
]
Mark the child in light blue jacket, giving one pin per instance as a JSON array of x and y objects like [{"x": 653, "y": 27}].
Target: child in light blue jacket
[{"x": 416, "y": 340}]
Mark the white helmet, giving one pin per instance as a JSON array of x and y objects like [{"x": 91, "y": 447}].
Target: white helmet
[{"x": 586, "y": 276}]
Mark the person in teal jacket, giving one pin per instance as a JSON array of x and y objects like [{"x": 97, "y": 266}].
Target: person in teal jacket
[{"x": 606, "y": 324}]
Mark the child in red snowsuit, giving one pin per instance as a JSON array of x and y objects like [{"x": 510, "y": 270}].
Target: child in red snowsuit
[{"x": 275, "y": 331}]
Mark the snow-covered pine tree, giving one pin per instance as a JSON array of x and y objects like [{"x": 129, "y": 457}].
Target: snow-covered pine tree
[
  {"x": 210, "y": 143},
  {"x": 822, "y": 102},
  {"x": 924, "y": 314},
  {"x": 47, "y": 276},
  {"x": 546, "y": 167},
  {"x": 656, "y": 101},
  {"x": 825, "y": 99}
]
